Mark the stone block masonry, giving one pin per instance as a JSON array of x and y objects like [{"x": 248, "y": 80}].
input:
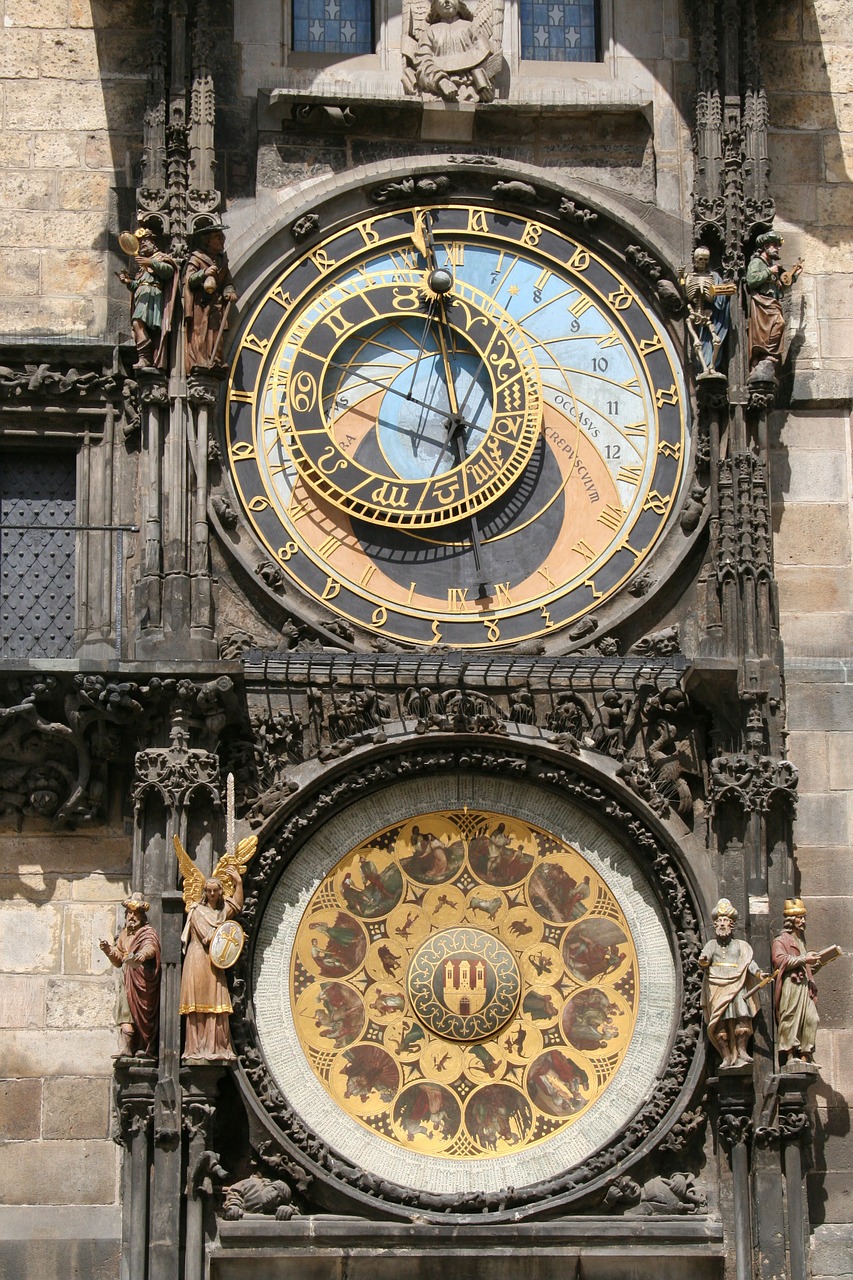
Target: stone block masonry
[
  {"x": 59, "y": 1169},
  {"x": 72, "y": 83}
]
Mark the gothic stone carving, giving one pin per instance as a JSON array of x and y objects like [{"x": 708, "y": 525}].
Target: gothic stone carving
[
  {"x": 676, "y": 1194},
  {"x": 56, "y": 738},
  {"x": 752, "y": 781},
  {"x": 452, "y": 51}
]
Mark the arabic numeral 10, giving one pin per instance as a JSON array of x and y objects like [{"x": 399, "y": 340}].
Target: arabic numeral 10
[{"x": 600, "y": 364}]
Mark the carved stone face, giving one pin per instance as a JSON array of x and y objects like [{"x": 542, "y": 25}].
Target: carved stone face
[
  {"x": 797, "y": 924},
  {"x": 702, "y": 260},
  {"x": 147, "y": 247},
  {"x": 214, "y": 242},
  {"x": 446, "y": 10}
]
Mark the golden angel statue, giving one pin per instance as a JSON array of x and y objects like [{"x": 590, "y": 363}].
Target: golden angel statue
[
  {"x": 212, "y": 941},
  {"x": 452, "y": 49}
]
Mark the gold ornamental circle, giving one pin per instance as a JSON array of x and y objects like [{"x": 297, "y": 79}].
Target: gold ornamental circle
[
  {"x": 301, "y": 386},
  {"x": 463, "y": 984},
  {"x": 409, "y": 1038}
]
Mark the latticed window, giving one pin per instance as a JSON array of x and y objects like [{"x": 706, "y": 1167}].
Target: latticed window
[
  {"x": 333, "y": 26},
  {"x": 554, "y": 31},
  {"x": 37, "y": 540}
]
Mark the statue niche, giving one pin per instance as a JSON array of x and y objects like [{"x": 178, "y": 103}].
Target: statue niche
[{"x": 451, "y": 49}]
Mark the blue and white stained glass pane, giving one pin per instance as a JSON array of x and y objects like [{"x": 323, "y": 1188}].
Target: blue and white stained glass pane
[
  {"x": 332, "y": 26},
  {"x": 554, "y": 31}
]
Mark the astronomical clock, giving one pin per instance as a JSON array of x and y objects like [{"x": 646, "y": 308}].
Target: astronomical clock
[{"x": 455, "y": 424}]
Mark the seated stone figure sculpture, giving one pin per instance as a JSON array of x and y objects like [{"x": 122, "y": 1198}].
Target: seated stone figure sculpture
[{"x": 451, "y": 55}]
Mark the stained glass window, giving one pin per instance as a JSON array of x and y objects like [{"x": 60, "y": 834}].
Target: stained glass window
[
  {"x": 333, "y": 26},
  {"x": 556, "y": 31}
]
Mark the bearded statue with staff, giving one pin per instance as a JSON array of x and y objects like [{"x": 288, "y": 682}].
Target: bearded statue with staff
[{"x": 212, "y": 941}]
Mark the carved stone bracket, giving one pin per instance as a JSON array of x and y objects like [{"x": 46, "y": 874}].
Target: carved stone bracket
[
  {"x": 753, "y": 781},
  {"x": 796, "y": 1124},
  {"x": 177, "y": 772},
  {"x": 734, "y": 1127}
]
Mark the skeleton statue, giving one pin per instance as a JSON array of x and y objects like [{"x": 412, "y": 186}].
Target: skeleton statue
[
  {"x": 707, "y": 311},
  {"x": 451, "y": 49}
]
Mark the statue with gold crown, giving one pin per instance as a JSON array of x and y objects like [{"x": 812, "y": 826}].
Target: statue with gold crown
[
  {"x": 212, "y": 941},
  {"x": 795, "y": 991}
]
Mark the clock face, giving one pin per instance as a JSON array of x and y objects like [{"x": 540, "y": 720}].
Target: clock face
[
  {"x": 456, "y": 425},
  {"x": 464, "y": 998}
]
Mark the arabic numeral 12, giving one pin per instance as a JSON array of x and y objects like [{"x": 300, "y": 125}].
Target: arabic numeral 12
[{"x": 613, "y": 451}]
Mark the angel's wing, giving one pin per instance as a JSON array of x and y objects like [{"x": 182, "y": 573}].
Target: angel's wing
[
  {"x": 238, "y": 860},
  {"x": 414, "y": 22},
  {"x": 193, "y": 879},
  {"x": 488, "y": 27}
]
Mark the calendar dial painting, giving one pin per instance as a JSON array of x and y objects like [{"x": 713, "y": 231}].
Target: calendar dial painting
[
  {"x": 485, "y": 1024},
  {"x": 462, "y": 985},
  {"x": 456, "y": 425}
]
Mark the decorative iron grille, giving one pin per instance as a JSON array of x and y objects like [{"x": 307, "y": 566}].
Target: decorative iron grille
[{"x": 37, "y": 555}]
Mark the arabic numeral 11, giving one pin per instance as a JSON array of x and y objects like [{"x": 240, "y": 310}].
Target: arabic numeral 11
[{"x": 613, "y": 408}]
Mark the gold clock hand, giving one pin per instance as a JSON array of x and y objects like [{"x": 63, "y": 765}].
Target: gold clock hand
[
  {"x": 439, "y": 279},
  {"x": 445, "y": 360}
]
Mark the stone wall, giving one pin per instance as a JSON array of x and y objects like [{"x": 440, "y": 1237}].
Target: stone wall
[
  {"x": 58, "y": 897},
  {"x": 812, "y": 509},
  {"x": 72, "y": 86},
  {"x": 807, "y": 60}
]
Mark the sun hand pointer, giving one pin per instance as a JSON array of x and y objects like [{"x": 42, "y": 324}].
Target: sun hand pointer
[{"x": 439, "y": 279}]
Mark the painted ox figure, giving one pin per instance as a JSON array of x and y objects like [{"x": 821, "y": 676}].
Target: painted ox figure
[{"x": 489, "y": 906}]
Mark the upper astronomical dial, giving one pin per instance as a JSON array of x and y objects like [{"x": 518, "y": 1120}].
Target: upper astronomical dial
[
  {"x": 456, "y": 425},
  {"x": 368, "y": 355}
]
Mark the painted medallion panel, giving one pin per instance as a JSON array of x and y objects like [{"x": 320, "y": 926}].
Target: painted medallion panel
[{"x": 471, "y": 996}]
